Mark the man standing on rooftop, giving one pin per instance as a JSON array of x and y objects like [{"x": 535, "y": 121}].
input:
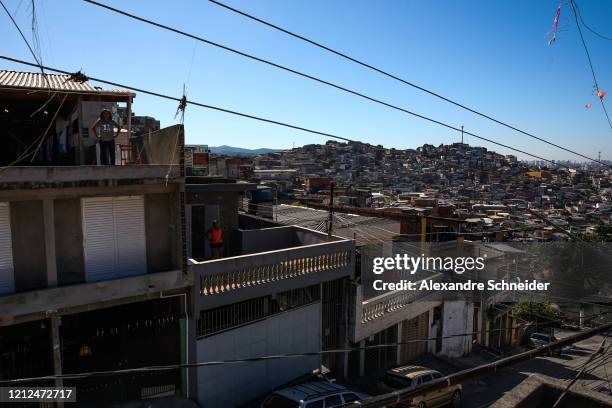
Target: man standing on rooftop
[{"x": 104, "y": 130}]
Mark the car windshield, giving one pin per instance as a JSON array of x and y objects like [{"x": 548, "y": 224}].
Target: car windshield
[
  {"x": 278, "y": 401},
  {"x": 396, "y": 382}
]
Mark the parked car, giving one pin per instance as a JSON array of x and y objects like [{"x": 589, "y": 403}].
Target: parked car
[
  {"x": 315, "y": 394},
  {"x": 412, "y": 377},
  {"x": 536, "y": 340}
]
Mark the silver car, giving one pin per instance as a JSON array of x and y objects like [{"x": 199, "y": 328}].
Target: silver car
[{"x": 315, "y": 394}]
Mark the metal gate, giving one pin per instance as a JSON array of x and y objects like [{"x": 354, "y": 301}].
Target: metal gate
[{"x": 381, "y": 357}]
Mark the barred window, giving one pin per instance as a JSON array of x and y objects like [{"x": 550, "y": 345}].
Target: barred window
[{"x": 226, "y": 317}]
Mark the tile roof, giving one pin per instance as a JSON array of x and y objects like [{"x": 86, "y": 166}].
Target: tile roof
[{"x": 35, "y": 80}]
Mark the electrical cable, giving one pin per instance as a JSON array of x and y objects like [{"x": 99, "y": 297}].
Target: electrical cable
[
  {"x": 397, "y": 78},
  {"x": 586, "y": 26},
  {"x": 311, "y": 77},
  {"x": 242, "y": 360},
  {"x": 202, "y": 105},
  {"x": 588, "y": 54},
  {"x": 261, "y": 119}
]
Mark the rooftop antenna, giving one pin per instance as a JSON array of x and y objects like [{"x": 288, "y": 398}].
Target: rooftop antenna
[{"x": 599, "y": 156}]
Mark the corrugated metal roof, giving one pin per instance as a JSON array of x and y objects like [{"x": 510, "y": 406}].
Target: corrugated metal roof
[
  {"x": 366, "y": 230},
  {"x": 36, "y": 80}
]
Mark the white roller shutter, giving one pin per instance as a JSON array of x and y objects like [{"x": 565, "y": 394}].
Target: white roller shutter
[
  {"x": 130, "y": 235},
  {"x": 114, "y": 237},
  {"x": 99, "y": 238},
  {"x": 7, "y": 277}
]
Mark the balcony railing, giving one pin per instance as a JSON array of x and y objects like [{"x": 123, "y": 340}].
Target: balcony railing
[
  {"x": 389, "y": 308},
  {"x": 225, "y": 275},
  {"x": 392, "y": 301}
]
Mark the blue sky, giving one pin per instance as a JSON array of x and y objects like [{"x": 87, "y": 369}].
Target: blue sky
[{"x": 490, "y": 55}]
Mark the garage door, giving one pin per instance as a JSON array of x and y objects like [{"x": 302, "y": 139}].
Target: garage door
[
  {"x": 414, "y": 329},
  {"x": 113, "y": 237},
  {"x": 7, "y": 277}
]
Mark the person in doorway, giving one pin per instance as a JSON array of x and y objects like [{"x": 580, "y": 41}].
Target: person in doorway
[
  {"x": 104, "y": 131},
  {"x": 215, "y": 237}
]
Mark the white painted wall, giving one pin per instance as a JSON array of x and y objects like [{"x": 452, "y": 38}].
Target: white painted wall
[
  {"x": 457, "y": 318},
  {"x": 227, "y": 386}
]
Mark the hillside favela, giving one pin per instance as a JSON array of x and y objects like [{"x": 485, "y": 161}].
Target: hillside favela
[{"x": 305, "y": 204}]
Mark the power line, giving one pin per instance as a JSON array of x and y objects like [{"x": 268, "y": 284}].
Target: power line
[
  {"x": 586, "y": 26},
  {"x": 588, "y": 54},
  {"x": 395, "y": 77},
  {"x": 177, "y": 99},
  {"x": 170, "y": 367},
  {"x": 591, "y": 357},
  {"x": 319, "y": 80},
  {"x": 36, "y": 58},
  {"x": 261, "y": 119}
]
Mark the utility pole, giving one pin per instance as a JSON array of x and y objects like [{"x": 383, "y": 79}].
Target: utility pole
[
  {"x": 461, "y": 134},
  {"x": 330, "y": 221}
]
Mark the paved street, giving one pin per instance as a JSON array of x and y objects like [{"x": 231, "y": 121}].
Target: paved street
[{"x": 485, "y": 391}]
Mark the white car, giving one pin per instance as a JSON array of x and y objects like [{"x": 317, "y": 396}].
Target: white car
[{"x": 315, "y": 394}]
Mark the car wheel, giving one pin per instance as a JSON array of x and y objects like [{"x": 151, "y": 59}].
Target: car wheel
[{"x": 456, "y": 401}]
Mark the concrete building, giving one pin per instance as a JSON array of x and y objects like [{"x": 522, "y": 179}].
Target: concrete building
[
  {"x": 53, "y": 115},
  {"x": 92, "y": 261},
  {"x": 281, "y": 289}
]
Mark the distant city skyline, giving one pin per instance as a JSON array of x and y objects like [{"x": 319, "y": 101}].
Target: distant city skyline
[{"x": 487, "y": 55}]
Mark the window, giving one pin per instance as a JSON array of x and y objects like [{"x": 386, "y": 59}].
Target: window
[
  {"x": 237, "y": 314},
  {"x": 315, "y": 404},
  {"x": 437, "y": 375},
  {"x": 396, "y": 382},
  {"x": 350, "y": 397},
  {"x": 333, "y": 401},
  {"x": 278, "y": 401},
  {"x": 426, "y": 378},
  {"x": 295, "y": 298}
]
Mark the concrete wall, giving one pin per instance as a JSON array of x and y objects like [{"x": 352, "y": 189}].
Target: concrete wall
[
  {"x": 311, "y": 237},
  {"x": 457, "y": 318},
  {"x": 227, "y": 202},
  {"x": 26, "y": 306},
  {"x": 227, "y": 217},
  {"x": 28, "y": 245},
  {"x": 160, "y": 147},
  {"x": 37, "y": 177},
  {"x": 269, "y": 239},
  {"x": 58, "y": 244},
  {"x": 69, "y": 241},
  {"x": 231, "y": 385}
]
